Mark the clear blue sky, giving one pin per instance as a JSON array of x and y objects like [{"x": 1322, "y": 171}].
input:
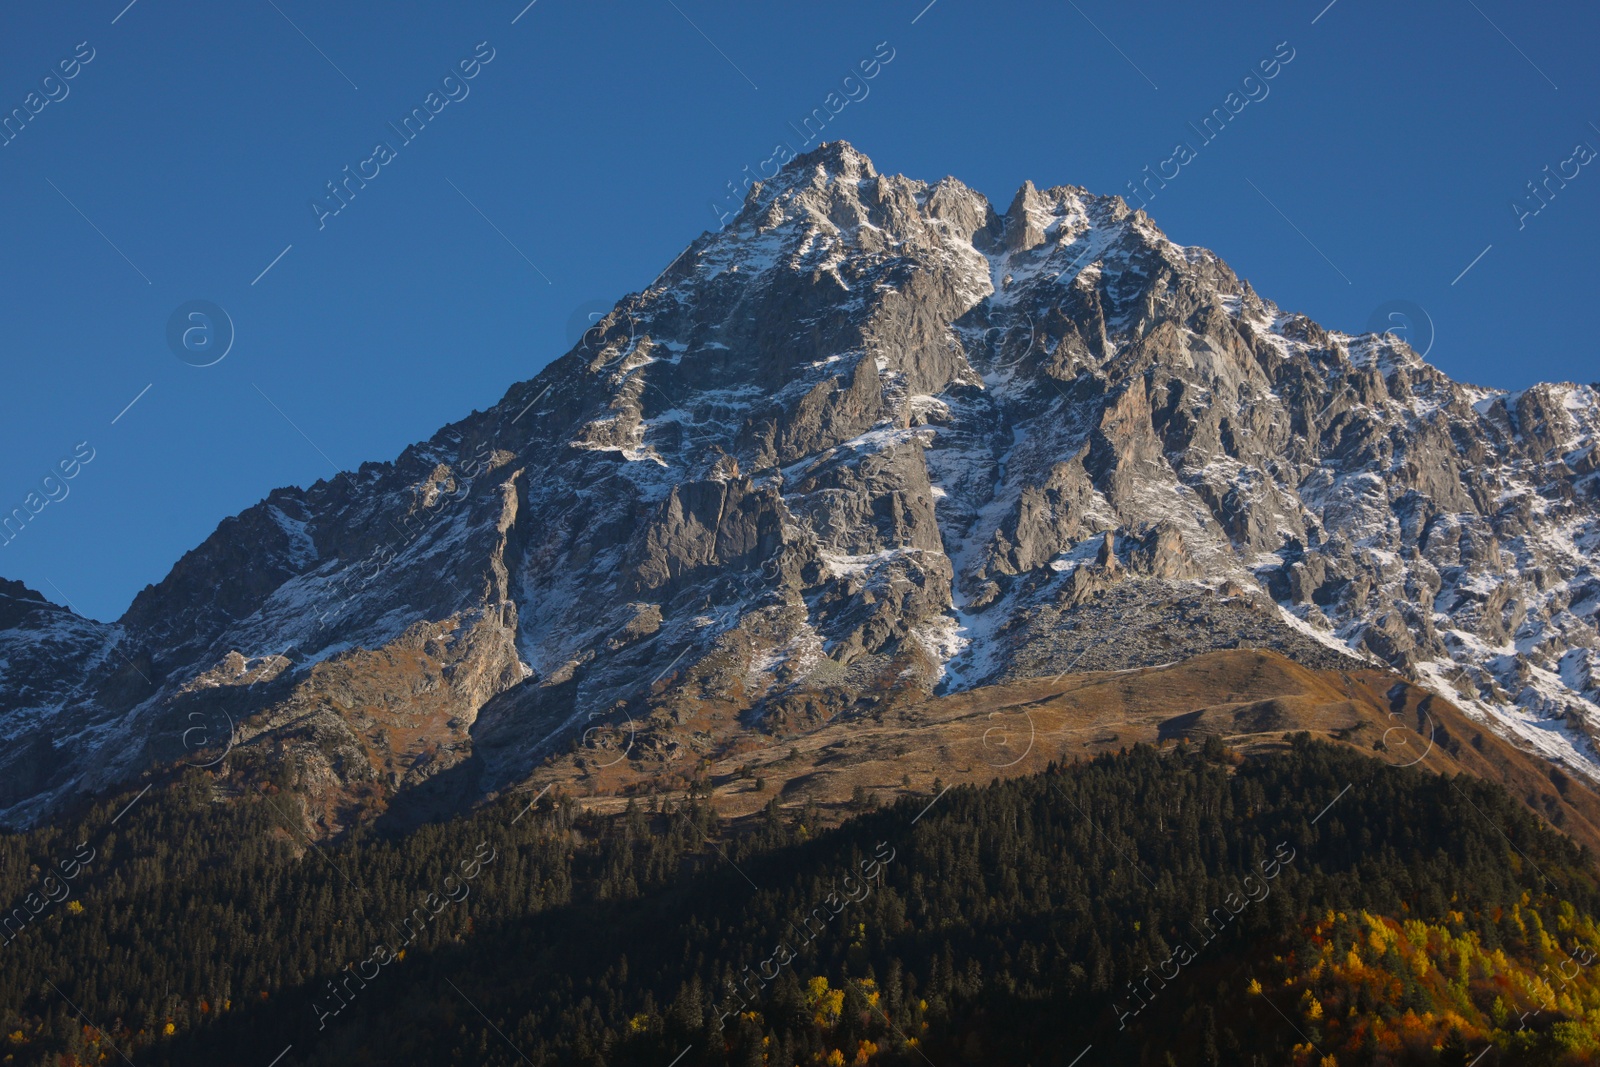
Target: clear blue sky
[{"x": 596, "y": 141}]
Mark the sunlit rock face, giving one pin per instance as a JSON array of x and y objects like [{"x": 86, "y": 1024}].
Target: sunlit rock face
[{"x": 872, "y": 437}]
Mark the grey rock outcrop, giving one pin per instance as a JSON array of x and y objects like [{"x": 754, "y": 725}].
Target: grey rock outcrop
[{"x": 873, "y": 434}]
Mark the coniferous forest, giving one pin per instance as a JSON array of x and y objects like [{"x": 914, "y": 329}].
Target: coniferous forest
[{"x": 1180, "y": 907}]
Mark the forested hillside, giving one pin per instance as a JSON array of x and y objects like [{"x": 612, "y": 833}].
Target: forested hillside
[{"x": 1185, "y": 907}]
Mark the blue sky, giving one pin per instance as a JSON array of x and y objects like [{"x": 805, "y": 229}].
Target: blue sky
[{"x": 180, "y": 161}]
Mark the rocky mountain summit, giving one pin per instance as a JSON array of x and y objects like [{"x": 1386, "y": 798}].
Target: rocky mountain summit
[{"x": 871, "y": 439}]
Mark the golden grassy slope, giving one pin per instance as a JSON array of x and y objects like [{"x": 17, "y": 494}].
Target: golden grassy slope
[{"x": 1250, "y": 698}]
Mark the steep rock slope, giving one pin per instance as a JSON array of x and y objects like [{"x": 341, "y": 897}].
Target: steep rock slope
[{"x": 873, "y": 438}]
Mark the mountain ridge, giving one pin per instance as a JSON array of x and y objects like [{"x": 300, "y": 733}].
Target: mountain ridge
[{"x": 871, "y": 435}]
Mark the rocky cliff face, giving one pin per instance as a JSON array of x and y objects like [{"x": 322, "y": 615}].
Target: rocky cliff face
[{"x": 872, "y": 438}]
